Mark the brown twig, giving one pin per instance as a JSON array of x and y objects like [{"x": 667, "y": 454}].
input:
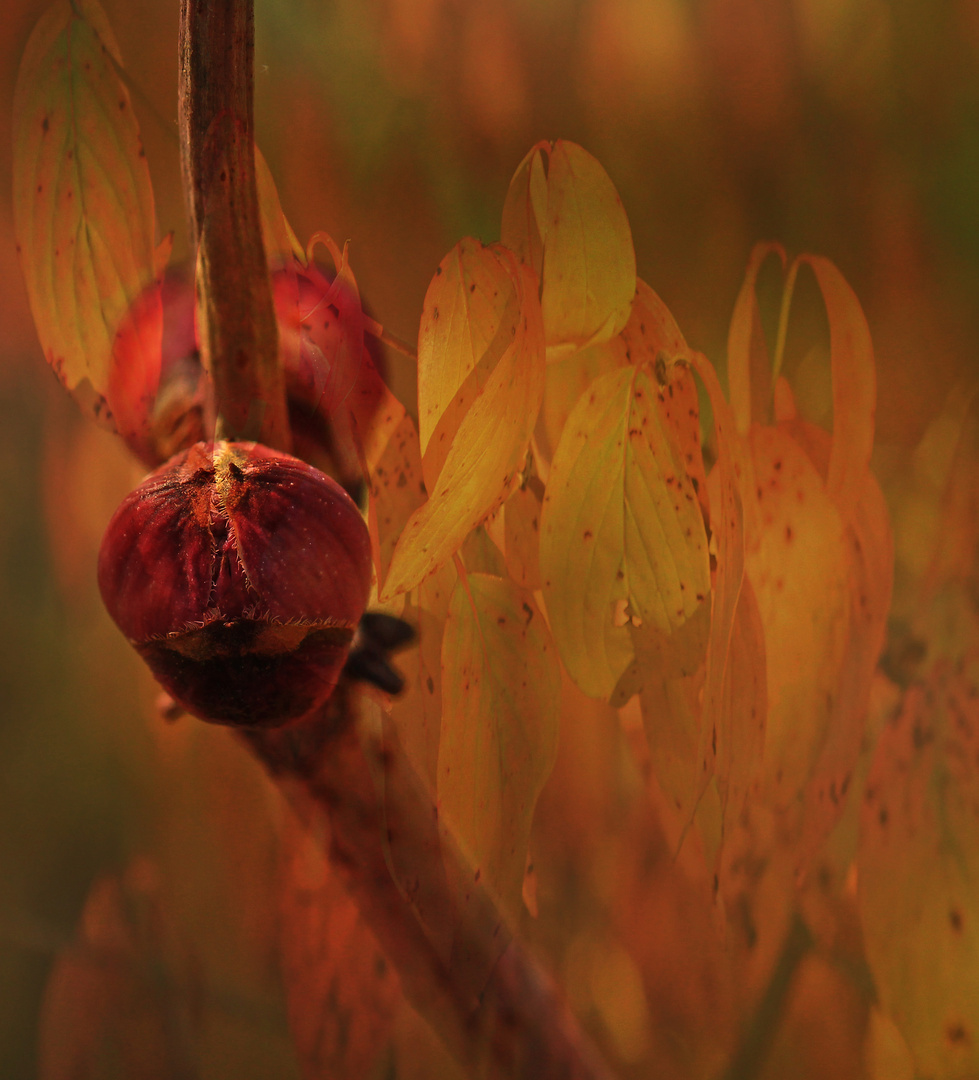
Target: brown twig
[
  {"x": 493, "y": 1005},
  {"x": 239, "y": 336},
  {"x": 489, "y": 999}
]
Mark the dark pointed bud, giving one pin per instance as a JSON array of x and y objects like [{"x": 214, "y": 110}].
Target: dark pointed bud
[{"x": 240, "y": 574}]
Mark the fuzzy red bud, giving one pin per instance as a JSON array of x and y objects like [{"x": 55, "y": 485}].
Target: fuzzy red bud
[{"x": 239, "y": 573}]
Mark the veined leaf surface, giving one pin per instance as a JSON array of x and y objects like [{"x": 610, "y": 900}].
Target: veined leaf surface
[
  {"x": 650, "y": 332},
  {"x": 487, "y": 451},
  {"x": 622, "y": 537},
  {"x": 572, "y": 229},
  {"x": 83, "y": 211},
  {"x": 469, "y": 319},
  {"x": 501, "y": 689}
]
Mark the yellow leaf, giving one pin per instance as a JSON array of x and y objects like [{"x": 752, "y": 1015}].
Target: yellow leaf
[
  {"x": 870, "y": 569},
  {"x": 281, "y": 243},
  {"x": 396, "y": 492},
  {"x": 501, "y": 687},
  {"x": 417, "y": 712},
  {"x": 918, "y": 865},
  {"x": 525, "y": 207},
  {"x": 469, "y": 318},
  {"x": 566, "y": 381},
  {"x": 800, "y": 542},
  {"x": 521, "y": 529},
  {"x": 727, "y": 530},
  {"x": 749, "y": 371},
  {"x": 487, "y": 452},
  {"x": 84, "y": 215},
  {"x": 576, "y": 227},
  {"x": 650, "y": 332},
  {"x": 622, "y": 537}
]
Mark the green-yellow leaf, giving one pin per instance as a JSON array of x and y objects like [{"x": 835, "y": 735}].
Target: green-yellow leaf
[
  {"x": 572, "y": 223},
  {"x": 501, "y": 687},
  {"x": 487, "y": 451},
  {"x": 83, "y": 209},
  {"x": 622, "y": 537},
  {"x": 918, "y": 863}
]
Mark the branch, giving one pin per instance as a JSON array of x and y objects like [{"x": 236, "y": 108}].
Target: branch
[
  {"x": 239, "y": 336},
  {"x": 469, "y": 977},
  {"x": 490, "y": 1001}
]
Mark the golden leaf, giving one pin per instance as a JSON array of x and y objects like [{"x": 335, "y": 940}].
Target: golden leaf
[
  {"x": 84, "y": 215},
  {"x": 501, "y": 688},
  {"x": 622, "y": 537},
  {"x": 572, "y": 229},
  {"x": 489, "y": 447}
]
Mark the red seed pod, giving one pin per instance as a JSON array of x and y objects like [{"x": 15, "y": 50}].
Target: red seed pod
[{"x": 239, "y": 573}]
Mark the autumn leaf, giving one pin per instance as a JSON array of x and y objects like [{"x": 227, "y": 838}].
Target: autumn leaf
[
  {"x": 417, "y": 712},
  {"x": 801, "y": 539},
  {"x": 919, "y": 861},
  {"x": 854, "y": 386},
  {"x": 651, "y": 334},
  {"x": 84, "y": 216},
  {"x": 396, "y": 492},
  {"x": 488, "y": 447},
  {"x": 727, "y": 531},
  {"x": 501, "y": 688},
  {"x": 870, "y": 568},
  {"x": 568, "y": 224},
  {"x": 469, "y": 318},
  {"x": 622, "y": 537},
  {"x": 749, "y": 369},
  {"x": 743, "y": 716},
  {"x": 280, "y": 242},
  {"x": 521, "y": 533}
]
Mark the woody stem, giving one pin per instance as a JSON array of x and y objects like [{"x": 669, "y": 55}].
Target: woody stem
[{"x": 239, "y": 337}]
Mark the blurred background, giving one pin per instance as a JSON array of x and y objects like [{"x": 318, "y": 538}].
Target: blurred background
[{"x": 844, "y": 127}]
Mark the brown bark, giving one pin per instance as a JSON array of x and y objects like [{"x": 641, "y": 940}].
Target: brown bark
[{"x": 239, "y": 337}]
